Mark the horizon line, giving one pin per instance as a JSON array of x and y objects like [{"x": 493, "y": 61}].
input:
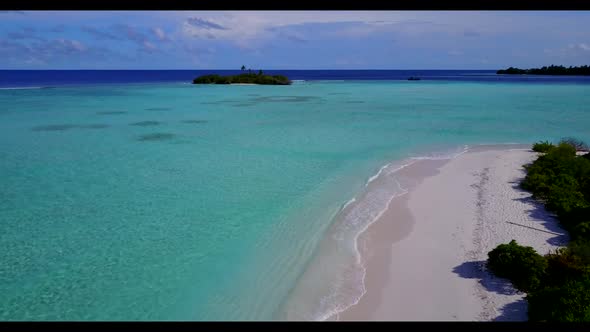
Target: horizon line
[{"x": 240, "y": 69}]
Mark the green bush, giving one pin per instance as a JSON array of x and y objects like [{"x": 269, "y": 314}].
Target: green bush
[
  {"x": 543, "y": 146},
  {"x": 562, "y": 181},
  {"x": 564, "y": 195},
  {"x": 581, "y": 231},
  {"x": 538, "y": 183},
  {"x": 580, "y": 249},
  {"x": 558, "y": 285},
  {"x": 564, "y": 293},
  {"x": 575, "y": 143},
  {"x": 567, "y": 264},
  {"x": 250, "y": 78},
  {"x": 558, "y": 160},
  {"x": 551, "y": 70},
  {"x": 521, "y": 265},
  {"x": 207, "y": 79},
  {"x": 569, "y": 302},
  {"x": 564, "y": 150}
]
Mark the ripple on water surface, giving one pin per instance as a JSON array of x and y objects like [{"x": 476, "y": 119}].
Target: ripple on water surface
[
  {"x": 111, "y": 112},
  {"x": 156, "y": 137},
  {"x": 145, "y": 123},
  {"x": 64, "y": 127}
]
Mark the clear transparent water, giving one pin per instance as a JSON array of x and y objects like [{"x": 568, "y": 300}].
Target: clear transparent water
[{"x": 181, "y": 202}]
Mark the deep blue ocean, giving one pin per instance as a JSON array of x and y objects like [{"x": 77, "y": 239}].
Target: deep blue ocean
[{"x": 50, "y": 78}]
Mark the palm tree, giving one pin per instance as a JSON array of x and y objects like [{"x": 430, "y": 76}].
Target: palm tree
[{"x": 243, "y": 67}]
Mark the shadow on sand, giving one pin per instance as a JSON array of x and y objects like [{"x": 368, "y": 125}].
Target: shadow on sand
[
  {"x": 546, "y": 220},
  {"x": 515, "y": 311},
  {"x": 476, "y": 270}
]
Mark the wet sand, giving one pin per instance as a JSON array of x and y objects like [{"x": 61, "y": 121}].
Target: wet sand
[{"x": 424, "y": 256}]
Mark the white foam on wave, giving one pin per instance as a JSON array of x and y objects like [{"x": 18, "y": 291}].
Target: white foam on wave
[
  {"x": 523, "y": 149},
  {"x": 358, "y": 219},
  {"x": 350, "y": 201},
  {"x": 337, "y": 306},
  {"x": 372, "y": 178},
  {"x": 443, "y": 155},
  {"x": 412, "y": 160}
]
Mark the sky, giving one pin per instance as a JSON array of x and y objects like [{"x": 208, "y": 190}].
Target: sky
[{"x": 293, "y": 39}]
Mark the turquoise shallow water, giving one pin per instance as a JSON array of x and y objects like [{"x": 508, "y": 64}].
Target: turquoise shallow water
[{"x": 181, "y": 202}]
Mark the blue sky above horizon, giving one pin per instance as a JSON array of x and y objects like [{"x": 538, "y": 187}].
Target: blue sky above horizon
[{"x": 292, "y": 39}]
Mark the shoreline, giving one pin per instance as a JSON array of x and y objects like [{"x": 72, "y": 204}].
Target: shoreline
[{"x": 424, "y": 255}]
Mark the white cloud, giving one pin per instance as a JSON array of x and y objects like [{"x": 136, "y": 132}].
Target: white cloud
[
  {"x": 68, "y": 46},
  {"x": 571, "y": 50},
  {"x": 243, "y": 33},
  {"x": 247, "y": 27},
  {"x": 160, "y": 34},
  {"x": 148, "y": 46},
  {"x": 47, "y": 51},
  {"x": 580, "y": 46},
  {"x": 483, "y": 34},
  {"x": 249, "y": 30},
  {"x": 34, "y": 61},
  {"x": 249, "y": 24}
]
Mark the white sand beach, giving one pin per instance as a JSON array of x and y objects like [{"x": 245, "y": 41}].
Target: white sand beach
[{"x": 424, "y": 257}]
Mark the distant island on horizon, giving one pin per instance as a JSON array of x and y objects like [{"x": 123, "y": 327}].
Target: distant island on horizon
[
  {"x": 551, "y": 70},
  {"x": 244, "y": 78}
]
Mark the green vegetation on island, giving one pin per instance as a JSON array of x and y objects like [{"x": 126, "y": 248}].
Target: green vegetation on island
[
  {"x": 551, "y": 70},
  {"x": 557, "y": 284},
  {"x": 522, "y": 265},
  {"x": 244, "y": 78}
]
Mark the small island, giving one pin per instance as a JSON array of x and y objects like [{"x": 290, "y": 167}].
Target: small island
[
  {"x": 551, "y": 70},
  {"x": 244, "y": 78}
]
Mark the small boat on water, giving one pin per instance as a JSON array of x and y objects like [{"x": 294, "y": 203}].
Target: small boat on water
[{"x": 413, "y": 78}]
